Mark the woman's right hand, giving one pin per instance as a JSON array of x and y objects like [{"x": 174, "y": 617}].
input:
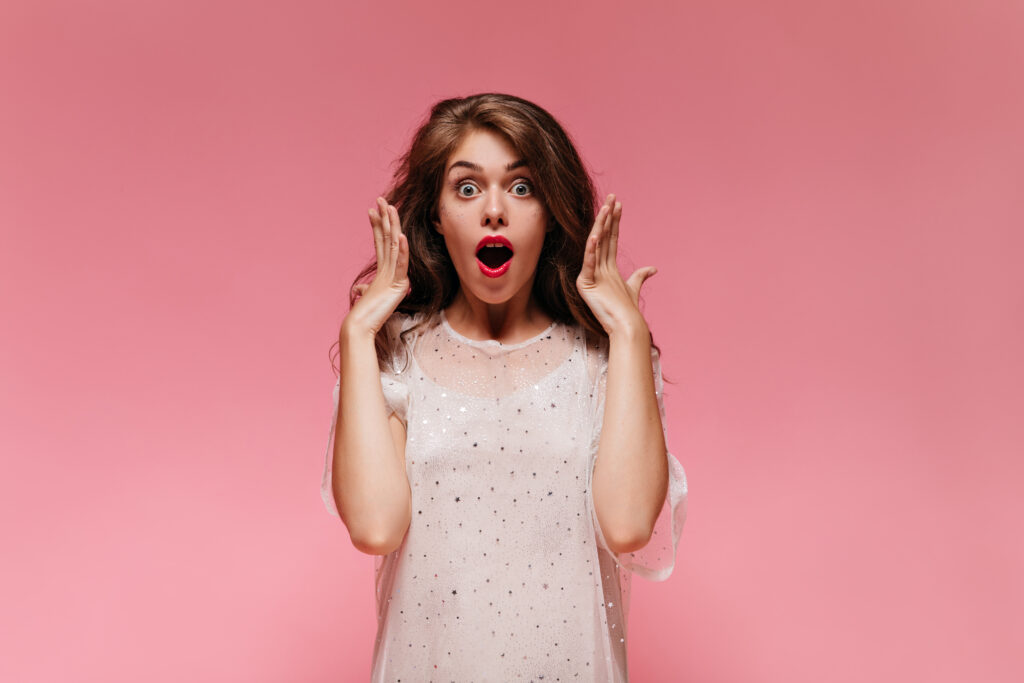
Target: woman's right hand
[{"x": 390, "y": 284}]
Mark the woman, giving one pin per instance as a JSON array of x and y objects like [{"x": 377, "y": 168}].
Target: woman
[{"x": 477, "y": 368}]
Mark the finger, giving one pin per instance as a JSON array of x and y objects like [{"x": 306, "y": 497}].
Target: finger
[
  {"x": 613, "y": 246},
  {"x": 378, "y": 237},
  {"x": 638, "y": 278},
  {"x": 396, "y": 227},
  {"x": 391, "y": 245},
  {"x": 395, "y": 246},
  {"x": 359, "y": 290},
  {"x": 598, "y": 219},
  {"x": 590, "y": 258},
  {"x": 595, "y": 234},
  {"x": 385, "y": 263},
  {"x": 402, "y": 263},
  {"x": 396, "y": 223},
  {"x": 385, "y": 220},
  {"x": 602, "y": 254}
]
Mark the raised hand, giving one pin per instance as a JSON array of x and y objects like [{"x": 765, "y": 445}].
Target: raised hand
[
  {"x": 614, "y": 301},
  {"x": 379, "y": 299}
]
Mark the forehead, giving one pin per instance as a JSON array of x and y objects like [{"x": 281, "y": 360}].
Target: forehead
[{"x": 485, "y": 150}]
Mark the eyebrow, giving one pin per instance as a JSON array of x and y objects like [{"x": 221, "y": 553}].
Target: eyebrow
[{"x": 479, "y": 169}]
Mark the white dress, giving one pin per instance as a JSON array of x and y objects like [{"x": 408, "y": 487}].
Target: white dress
[{"x": 504, "y": 573}]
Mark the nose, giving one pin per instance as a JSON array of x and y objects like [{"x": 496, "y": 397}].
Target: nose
[{"x": 494, "y": 211}]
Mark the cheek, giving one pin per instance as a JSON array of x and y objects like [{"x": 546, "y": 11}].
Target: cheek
[
  {"x": 450, "y": 220},
  {"x": 450, "y": 228},
  {"x": 451, "y": 211},
  {"x": 541, "y": 232}
]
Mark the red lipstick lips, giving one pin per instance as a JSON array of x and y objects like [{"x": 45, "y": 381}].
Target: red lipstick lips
[{"x": 499, "y": 258}]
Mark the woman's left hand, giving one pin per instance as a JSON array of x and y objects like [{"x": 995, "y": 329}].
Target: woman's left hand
[{"x": 614, "y": 301}]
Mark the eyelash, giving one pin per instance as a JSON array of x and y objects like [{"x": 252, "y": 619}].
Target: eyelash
[{"x": 521, "y": 181}]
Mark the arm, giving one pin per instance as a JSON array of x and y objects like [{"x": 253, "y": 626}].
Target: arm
[
  {"x": 630, "y": 478},
  {"x": 369, "y": 479}
]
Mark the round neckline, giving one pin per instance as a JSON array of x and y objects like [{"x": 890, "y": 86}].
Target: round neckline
[{"x": 493, "y": 342}]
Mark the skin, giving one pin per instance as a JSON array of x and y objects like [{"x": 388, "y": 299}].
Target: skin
[
  {"x": 630, "y": 478},
  {"x": 492, "y": 200}
]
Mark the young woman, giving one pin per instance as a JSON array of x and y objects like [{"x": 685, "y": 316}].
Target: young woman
[{"x": 498, "y": 437}]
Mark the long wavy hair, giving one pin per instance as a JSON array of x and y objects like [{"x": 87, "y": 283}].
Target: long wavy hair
[{"x": 561, "y": 181}]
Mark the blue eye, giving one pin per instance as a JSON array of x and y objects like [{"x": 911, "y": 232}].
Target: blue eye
[{"x": 460, "y": 185}]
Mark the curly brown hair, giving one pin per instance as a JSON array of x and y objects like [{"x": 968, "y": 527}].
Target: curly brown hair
[{"x": 561, "y": 182}]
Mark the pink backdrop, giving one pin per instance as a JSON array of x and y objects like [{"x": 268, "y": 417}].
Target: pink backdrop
[{"x": 832, "y": 193}]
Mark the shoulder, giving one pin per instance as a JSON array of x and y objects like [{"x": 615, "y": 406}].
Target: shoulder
[
  {"x": 593, "y": 344},
  {"x": 594, "y": 350},
  {"x": 401, "y": 331},
  {"x": 400, "y": 323}
]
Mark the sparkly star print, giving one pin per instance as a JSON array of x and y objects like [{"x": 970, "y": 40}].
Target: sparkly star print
[{"x": 504, "y": 573}]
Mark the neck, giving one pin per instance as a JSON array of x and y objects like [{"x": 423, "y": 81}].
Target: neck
[{"x": 510, "y": 321}]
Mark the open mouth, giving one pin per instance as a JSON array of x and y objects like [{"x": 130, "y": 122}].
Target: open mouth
[{"x": 494, "y": 255}]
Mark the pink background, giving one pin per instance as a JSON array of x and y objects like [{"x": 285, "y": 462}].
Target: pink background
[{"x": 834, "y": 196}]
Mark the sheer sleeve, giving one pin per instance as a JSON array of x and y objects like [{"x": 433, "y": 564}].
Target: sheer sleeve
[
  {"x": 656, "y": 560},
  {"x": 396, "y": 398}
]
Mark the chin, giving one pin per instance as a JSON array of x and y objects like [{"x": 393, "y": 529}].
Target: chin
[
  {"x": 491, "y": 290},
  {"x": 493, "y": 297}
]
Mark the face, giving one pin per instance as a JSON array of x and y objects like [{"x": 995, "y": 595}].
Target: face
[{"x": 488, "y": 196}]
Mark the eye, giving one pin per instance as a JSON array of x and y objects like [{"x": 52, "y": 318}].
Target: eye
[
  {"x": 460, "y": 185},
  {"x": 523, "y": 183}
]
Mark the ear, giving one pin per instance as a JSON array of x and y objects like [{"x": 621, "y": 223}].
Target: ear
[{"x": 437, "y": 226}]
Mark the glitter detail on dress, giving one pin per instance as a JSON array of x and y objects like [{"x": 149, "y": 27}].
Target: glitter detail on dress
[{"x": 504, "y": 573}]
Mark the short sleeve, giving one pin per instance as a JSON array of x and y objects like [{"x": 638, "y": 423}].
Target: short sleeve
[
  {"x": 396, "y": 398},
  {"x": 396, "y": 395},
  {"x": 656, "y": 560}
]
